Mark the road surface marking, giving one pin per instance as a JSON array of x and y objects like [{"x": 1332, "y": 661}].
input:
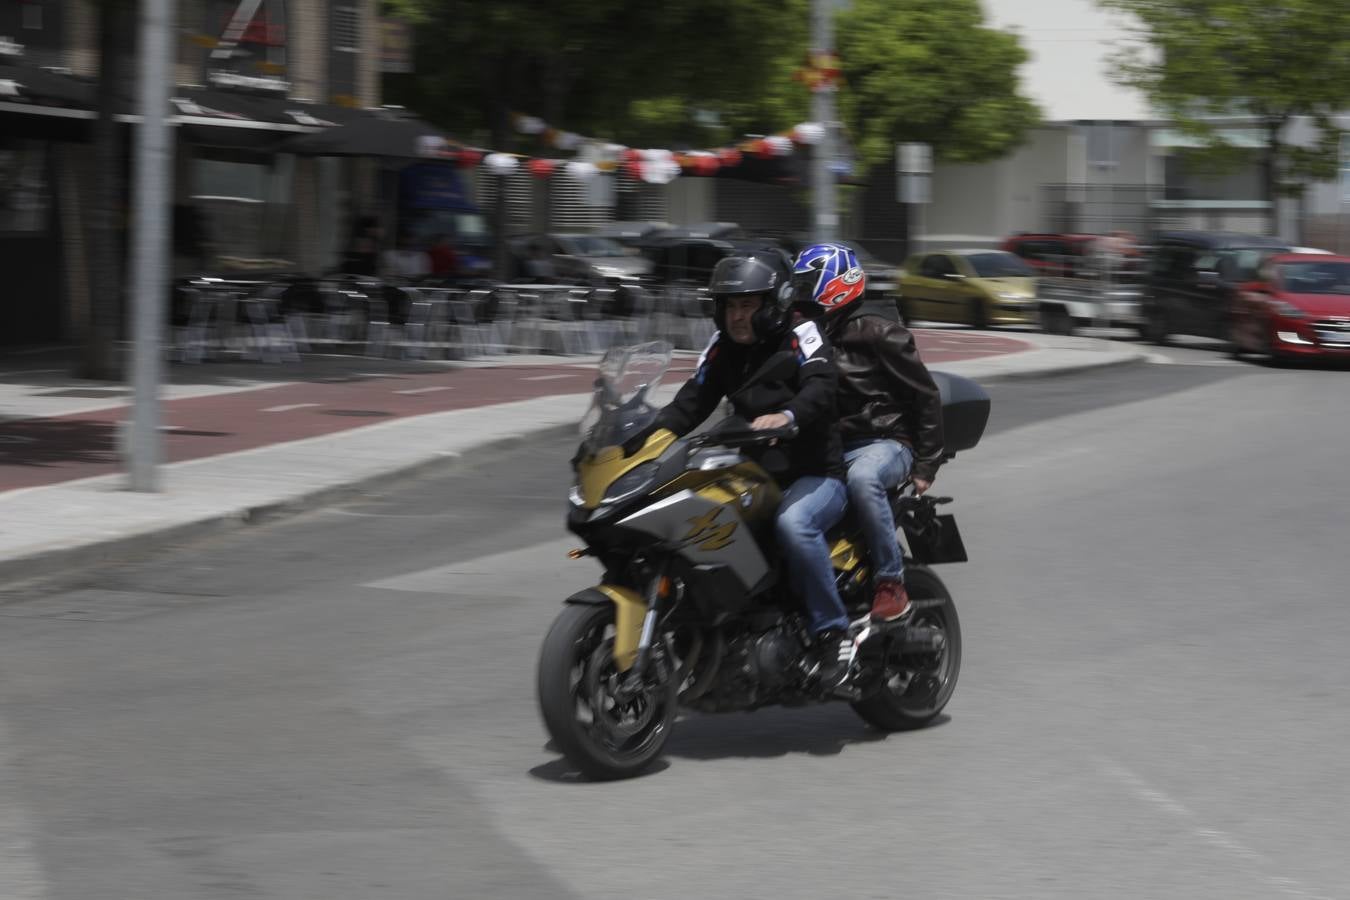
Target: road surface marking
[
  {"x": 288, "y": 407},
  {"x": 547, "y": 377},
  {"x": 1218, "y": 840},
  {"x": 425, "y": 390}
]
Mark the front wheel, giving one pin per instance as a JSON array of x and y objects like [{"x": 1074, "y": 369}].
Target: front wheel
[
  {"x": 604, "y": 727},
  {"x": 916, "y": 687}
]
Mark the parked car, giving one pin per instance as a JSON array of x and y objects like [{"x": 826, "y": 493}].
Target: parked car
[
  {"x": 1194, "y": 279},
  {"x": 1061, "y": 255},
  {"x": 1297, "y": 306},
  {"x": 579, "y": 258},
  {"x": 974, "y": 287},
  {"x": 633, "y": 234}
]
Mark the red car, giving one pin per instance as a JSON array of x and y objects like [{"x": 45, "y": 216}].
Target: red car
[{"x": 1298, "y": 307}]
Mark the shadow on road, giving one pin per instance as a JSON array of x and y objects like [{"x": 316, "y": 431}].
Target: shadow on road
[{"x": 765, "y": 734}]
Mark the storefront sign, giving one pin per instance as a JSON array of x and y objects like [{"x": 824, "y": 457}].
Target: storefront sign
[
  {"x": 248, "y": 82},
  {"x": 249, "y": 50}
]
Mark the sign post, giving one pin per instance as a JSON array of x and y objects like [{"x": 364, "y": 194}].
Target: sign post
[{"x": 913, "y": 181}]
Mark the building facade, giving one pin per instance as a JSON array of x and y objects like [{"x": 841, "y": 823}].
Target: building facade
[{"x": 249, "y": 74}]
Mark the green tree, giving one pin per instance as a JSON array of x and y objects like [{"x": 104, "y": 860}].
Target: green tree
[
  {"x": 635, "y": 72},
  {"x": 1269, "y": 62},
  {"x": 930, "y": 71}
]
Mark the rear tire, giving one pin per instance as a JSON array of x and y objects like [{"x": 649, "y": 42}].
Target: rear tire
[
  {"x": 1156, "y": 327},
  {"x": 604, "y": 737},
  {"x": 979, "y": 316},
  {"x": 916, "y": 689}
]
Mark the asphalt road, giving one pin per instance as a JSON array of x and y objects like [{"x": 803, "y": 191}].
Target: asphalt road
[{"x": 341, "y": 705}]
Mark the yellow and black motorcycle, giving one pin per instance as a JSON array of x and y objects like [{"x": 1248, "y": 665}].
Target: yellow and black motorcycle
[{"x": 693, "y": 610}]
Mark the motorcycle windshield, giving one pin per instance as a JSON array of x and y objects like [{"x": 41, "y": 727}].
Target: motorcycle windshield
[{"x": 619, "y": 408}]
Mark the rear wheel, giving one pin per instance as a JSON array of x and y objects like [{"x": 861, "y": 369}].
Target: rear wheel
[
  {"x": 1156, "y": 327},
  {"x": 1056, "y": 320},
  {"x": 604, "y": 727},
  {"x": 916, "y": 686},
  {"x": 978, "y": 315}
]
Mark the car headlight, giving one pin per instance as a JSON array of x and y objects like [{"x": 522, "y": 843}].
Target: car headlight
[
  {"x": 631, "y": 482},
  {"x": 1287, "y": 310}
]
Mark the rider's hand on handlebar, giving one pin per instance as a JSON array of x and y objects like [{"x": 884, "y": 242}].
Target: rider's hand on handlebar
[
  {"x": 770, "y": 422},
  {"x": 921, "y": 485}
]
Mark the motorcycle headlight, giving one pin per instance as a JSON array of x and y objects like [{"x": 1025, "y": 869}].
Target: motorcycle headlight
[
  {"x": 1287, "y": 310},
  {"x": 631, "y": 482}
]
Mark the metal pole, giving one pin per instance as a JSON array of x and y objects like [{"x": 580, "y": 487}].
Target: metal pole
[
  {"x": 826, "y": 224},
  {"x": 154, "y": 173}
]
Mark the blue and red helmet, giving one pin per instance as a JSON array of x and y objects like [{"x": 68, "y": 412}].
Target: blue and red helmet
[{"x": 827, "y": 279}]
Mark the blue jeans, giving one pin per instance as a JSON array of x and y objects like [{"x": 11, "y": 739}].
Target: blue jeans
[
  {"x": 811, "y": 506},
  {"x": 874, "y": 467}
]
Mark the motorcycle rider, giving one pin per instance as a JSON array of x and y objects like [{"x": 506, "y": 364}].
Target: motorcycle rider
[
  {"x": 745, "y": 363},
  {"x": 890, "y": 411}
]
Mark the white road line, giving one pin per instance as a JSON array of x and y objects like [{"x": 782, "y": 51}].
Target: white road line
[
  {"x": 288, "y": 407},
  {"x": 545, "y": 377},
  {"x": 1218, "y": 840},
  {"x": 425, "y": 390}
]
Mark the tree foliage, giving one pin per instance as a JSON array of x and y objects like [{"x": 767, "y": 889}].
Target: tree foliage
[
  {"x": 1270, "y": 63},
  {"x": 640, "y": 72},
  {"x": 659, "y": 73},
  {"x": 931, "y": 71}
]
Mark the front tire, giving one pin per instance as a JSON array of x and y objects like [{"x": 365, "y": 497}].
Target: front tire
[
  {"x": 915, "y": 689},
  {"x": 979, "y": 316},
  {"x": 603, "y": 733}
]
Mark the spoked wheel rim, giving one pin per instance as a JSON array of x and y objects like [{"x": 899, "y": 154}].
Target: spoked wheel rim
[
  {"x": 618, "y": 725},
  {"x": 919, "y": 681}
]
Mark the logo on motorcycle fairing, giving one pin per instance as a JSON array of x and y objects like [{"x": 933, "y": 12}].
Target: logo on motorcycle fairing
[{"x": 705, "y": 531}]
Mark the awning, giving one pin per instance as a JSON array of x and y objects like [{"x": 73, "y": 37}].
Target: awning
[
  {"x": 374, "y": 134},
  {"x": 22, "y": 82}
]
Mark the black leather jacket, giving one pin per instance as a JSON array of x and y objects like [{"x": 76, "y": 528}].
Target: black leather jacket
[
  {"x": 793, "y": 375},
  {"x": 885, "y": 390}
]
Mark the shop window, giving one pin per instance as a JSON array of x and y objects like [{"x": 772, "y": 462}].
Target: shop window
[
  {"x": 245, "y": 210},
  {"x": 25, "y": 194}
]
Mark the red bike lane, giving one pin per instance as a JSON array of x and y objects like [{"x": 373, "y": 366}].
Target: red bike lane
[{"x": 39, "y": 451}]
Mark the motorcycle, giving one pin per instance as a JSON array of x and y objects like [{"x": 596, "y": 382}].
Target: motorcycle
[{"x": 693, "y": 611}]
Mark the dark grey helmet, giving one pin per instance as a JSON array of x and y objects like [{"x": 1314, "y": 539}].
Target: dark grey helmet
[{"x": 759, "y": 271}]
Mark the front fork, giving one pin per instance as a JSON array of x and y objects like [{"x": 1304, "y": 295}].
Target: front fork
[{"x": 635, "y": 620}]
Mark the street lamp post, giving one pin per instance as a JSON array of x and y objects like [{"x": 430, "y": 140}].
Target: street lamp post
[
  {"x": 825, "y": 226},
  {"x": 154, "y": 168}
]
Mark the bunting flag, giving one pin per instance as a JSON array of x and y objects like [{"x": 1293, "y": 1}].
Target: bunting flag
[{"x": 651, "y": 166}]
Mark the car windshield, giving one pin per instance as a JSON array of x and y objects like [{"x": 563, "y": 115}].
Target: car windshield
[
  {"x": 592, "y": 245},
  {"x": 1315, "y": 277},
  {"x": 997, "y": 264},
  {"x": 619, "y": 407}
]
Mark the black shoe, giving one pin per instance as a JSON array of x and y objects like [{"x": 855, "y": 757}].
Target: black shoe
[{"x": 835, "y": 651}]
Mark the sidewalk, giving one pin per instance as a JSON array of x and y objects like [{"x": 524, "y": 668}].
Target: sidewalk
[{"x": 246, "y": 441}]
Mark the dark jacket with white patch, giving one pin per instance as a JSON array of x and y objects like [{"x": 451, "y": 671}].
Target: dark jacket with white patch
[{"x": 795, "y": 376}]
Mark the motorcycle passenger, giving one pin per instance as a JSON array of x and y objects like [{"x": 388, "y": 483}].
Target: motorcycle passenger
[
  {"x": 890, "y": 411},
  {"x": 745, "y": 362}
]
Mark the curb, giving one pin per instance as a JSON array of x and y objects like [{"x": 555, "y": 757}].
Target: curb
[
  {"x": 1132, "y": 359},
  {"x": 58, "y": 568}
]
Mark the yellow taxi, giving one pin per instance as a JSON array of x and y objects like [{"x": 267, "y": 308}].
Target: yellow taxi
[{"x": 971, "y": 287}]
